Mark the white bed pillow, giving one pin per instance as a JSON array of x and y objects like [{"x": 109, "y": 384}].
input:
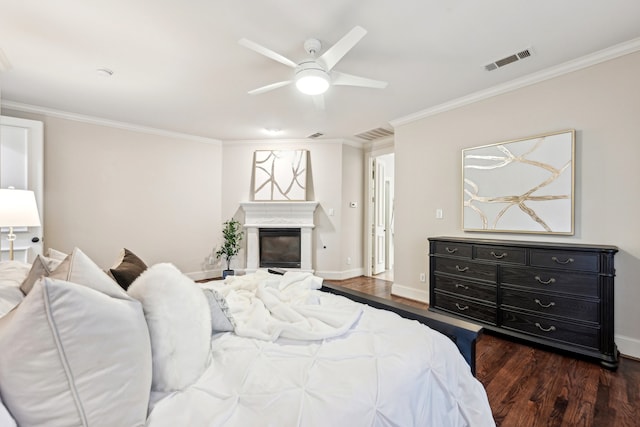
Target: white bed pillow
[
  {"x": 79, "y": 268},
  {"x": 56, "y": 254},
  {"x": 74, "y": 356},
  {"x": 179, "y": 322}
]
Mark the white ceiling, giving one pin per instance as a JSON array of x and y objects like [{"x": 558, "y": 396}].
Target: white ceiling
[{"x": 178, "y": 65}]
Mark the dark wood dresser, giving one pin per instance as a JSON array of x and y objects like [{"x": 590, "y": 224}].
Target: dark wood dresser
[{"x": 554, "y": 294}]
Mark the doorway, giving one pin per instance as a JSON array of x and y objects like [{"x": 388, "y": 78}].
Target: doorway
[
  {"x": 21, "y": 167},
  {"x": 380, "y": 224}
]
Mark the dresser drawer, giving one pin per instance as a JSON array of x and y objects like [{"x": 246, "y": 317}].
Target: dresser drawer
[
  {"x": 549, "y": 329},
  {"x": 584, "y": 261},
  {"x": 460, "y": 250},
  {"x": 464, "y": 307},
  {"x": 502, "y": 254},
  {"x": 466, "y": 269},
  {"x": 583, "y": 310},
  {"x": 551, "y": 280},
  {"x": 466, "y": 288}
]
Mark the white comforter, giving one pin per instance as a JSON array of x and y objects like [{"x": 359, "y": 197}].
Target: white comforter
[{"x": 383, "y": 371}]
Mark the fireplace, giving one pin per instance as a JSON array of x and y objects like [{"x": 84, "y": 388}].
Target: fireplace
[
  {"x": 279, "y": 216},
  {"x": 279, "y": 247}
]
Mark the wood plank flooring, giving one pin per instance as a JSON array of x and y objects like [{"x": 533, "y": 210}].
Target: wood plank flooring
[{"x": 531, "y": 387}]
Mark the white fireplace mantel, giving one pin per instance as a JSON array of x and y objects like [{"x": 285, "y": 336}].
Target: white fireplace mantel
[{"x": 279, "y": 214}]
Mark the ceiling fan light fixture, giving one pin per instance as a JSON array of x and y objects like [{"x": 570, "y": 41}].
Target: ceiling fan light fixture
[{"x": 312, "y": 81}]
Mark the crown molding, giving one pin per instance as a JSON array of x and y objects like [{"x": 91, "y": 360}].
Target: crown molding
[
  {"x": 598, "y": 57},
  {"x": 276, "y": 141},
  {"x": 50, "y": 112}
]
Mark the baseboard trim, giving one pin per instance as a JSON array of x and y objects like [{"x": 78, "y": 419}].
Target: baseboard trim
[
  {"x": 410, "y": 293},
  {"x": 340, "y": 275},
  {"x": 628, "y": 346}
]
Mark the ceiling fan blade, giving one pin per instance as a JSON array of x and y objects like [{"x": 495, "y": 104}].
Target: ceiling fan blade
[
  {"x": 267, "y": 52},
  {"x": 318, "y": 101},
  {"x": 342, "y": 46},
  {"x": 267, "y": 88},
  {"x": 344, "y": 79}
]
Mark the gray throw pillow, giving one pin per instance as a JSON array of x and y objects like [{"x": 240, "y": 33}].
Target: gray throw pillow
[
  {"x": 38, "y": 269},
  {"x": 221, "y": 318}
]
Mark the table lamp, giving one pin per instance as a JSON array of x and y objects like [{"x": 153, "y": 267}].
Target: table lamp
[{"x": 17, "y": 209}]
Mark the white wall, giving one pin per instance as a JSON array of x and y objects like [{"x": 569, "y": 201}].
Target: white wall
[
  {"x": 107, "y": 188},
  {"x": 335, "y": 176},
  {"x": 602, "y": 103}
]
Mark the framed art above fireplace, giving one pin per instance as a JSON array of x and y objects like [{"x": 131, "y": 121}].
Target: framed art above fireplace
[{"x": 520, "y": 186}]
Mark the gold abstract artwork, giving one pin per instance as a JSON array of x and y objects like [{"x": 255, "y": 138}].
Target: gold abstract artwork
[
  {"x": 280, "y": 175},
  {"x": 523, "y": 186}
]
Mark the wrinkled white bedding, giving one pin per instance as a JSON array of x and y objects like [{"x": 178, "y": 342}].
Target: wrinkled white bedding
[
  {"x": 383, "y": 371},
  {"x": 322, "y": 360},
  {"x": 267, "y": 307}
]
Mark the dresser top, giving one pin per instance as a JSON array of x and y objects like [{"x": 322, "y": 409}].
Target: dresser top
[{"x": 528, "y": 244}]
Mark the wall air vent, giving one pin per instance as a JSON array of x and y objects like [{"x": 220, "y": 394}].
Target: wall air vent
[
  {"x": 372, "y": 134},
  {"x": 315, "y": 135},
  {"x": 508, "y": 60}
]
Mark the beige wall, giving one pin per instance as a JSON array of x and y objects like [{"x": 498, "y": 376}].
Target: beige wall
[
  {"x": 331, "y": 182},
  {"x": 108, "y": 188},
  {"x": 165, "y": 197},
  {"x": 602, "y": 103},
  {"x": 352, "y": 235}
]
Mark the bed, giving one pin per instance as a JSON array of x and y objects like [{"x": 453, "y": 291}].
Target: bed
[{"x": 254, "y": 350}]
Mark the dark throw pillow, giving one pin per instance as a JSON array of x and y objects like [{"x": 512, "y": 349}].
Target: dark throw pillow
[{"x": 127, "y": 268}]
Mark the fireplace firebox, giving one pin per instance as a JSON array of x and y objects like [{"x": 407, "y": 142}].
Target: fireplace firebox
[{"x": 279, "y": 247}]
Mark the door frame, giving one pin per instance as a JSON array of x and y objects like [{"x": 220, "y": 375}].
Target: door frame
[
  {"x": 35, "y": 179},
  {"x": 377, "y": 149}
]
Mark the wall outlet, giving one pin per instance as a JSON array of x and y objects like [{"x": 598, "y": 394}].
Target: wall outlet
[
  {"x": 439, "y": 214},
  {"x": 348, "y": 260},
  {"x": 423, "y": 277}
]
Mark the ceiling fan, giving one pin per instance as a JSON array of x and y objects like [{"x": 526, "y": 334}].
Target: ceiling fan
[{"x": 314, "y": 75}]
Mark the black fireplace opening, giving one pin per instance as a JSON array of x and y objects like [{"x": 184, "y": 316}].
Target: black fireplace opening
[{"x": 279, "y": 247}]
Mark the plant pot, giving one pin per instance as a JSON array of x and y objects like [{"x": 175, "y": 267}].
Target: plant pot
[{"x": 226, "y": 273}]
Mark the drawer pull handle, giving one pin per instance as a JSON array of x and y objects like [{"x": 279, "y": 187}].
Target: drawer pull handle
[
  {"x": 451, "y": 251},
  {"x": 496, "y": 256},
  {"x": 462, "y": 307},
  {"x": 551, "y": 304},
  {"x": 568, "y": 261},
  {"x": 549, "y": 329},
  {"x": 461, "y": 269},
  {"x": 460, "y": 285},
  {"x": 545, "y": 282}
]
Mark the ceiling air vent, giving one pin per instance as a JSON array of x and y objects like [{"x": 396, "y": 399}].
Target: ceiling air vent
[
  {"x": 508, "y": 60},
  {"x": 372, "y": 134},
  {"x": 315, "y": 135}
]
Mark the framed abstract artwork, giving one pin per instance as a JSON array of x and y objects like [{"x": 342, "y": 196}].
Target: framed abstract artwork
[
  {"x": 280, "y": 175},
  {"x": 520, "y": 186}
]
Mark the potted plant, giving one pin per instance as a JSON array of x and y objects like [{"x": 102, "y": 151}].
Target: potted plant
[{"x": 232, "y": 235}]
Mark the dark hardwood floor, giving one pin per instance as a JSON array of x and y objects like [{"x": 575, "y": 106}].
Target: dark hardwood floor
[{"x": 530, "y": 386}]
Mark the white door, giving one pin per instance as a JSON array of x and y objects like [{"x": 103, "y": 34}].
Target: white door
[
  {"x": 379, "y": 218},
  {"x": 21, "y": 167}
]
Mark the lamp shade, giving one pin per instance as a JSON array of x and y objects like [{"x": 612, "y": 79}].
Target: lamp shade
[{"x": 18, "y": 208}]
